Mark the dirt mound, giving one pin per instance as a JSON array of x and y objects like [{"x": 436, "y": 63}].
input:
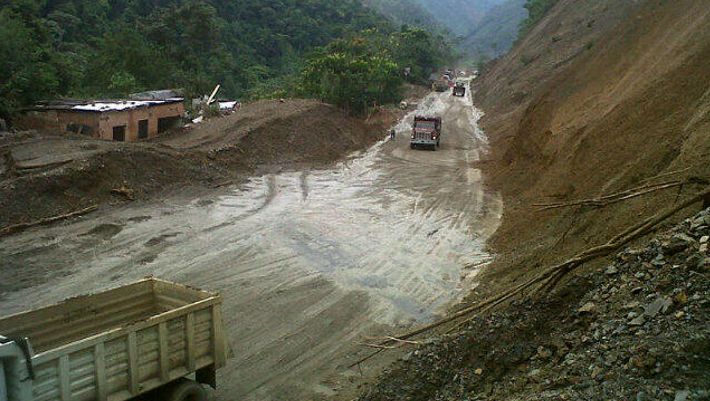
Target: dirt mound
[
  {"x": 638, "y": 329},
  {"x": 48, "y": 176},
  {"x": 272, "y": 131},
  {"x": 601, "y": 97}
]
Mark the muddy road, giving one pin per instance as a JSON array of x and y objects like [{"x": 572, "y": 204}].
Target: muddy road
[{"x": 307, "y": 261}]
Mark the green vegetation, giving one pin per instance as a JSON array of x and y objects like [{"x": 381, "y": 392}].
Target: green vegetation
[
  {"x": 96, "y": 48},
  {"x": 536, "y": 10},
  {"x": 368, "y": 69}
]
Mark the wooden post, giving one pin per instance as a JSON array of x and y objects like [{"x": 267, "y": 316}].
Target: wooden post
[
  {"x": 100, "y": 366},
  {"x": 163, "y": 349},
  {"x": 190, "y": 341},
  {"x": 133, "y": 366}
]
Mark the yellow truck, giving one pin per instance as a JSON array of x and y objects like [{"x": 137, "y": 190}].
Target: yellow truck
[{"x": 116, "y": 345}]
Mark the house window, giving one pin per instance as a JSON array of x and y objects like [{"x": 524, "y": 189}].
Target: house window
[
  {"x": 142, "y": 129},
  {"x": 119, "y": 133},
  {"x": 168, "y": 123}
]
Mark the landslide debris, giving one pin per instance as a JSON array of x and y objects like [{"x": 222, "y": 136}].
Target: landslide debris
[
  {"x": 43, "y": 175},
  {"x": 635, "y": 329}
]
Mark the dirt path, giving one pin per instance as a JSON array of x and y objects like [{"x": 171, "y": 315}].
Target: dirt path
[{"x": 307, "y": 262}]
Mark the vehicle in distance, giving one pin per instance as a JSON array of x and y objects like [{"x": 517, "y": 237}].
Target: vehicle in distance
[
  {"x": 459, "y": 89},
  {"x": 426, "y": 132},
  {"x": 115, "y": 345}
]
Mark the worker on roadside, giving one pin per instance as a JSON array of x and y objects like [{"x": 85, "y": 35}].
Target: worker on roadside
[{"x": 392, "y": 134}]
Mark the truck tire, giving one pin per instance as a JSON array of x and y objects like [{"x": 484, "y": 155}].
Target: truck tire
[{"x": 185, "y": 390}]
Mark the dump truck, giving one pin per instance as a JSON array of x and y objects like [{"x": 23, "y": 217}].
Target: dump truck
[
  {"x": 459, "y": 89},
  {"x": 426, "y": 132},
  {"x": 116, "y": 345}
]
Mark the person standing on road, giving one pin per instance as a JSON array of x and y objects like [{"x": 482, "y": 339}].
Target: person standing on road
[{"x": 392, "y": 134}]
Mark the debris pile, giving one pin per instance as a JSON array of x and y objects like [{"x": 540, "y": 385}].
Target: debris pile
[{"x": 637, "y": 329}]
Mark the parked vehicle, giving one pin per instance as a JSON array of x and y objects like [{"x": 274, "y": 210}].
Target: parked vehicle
[
  {"x": 115, "y": 345},
  {"x": 426, "y": 131},
  {"x": 459, "y": 89}
]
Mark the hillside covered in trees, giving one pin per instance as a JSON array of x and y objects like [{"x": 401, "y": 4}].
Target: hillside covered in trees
[{"x": 93, "y": 48}]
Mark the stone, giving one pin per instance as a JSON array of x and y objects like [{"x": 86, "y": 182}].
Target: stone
[
  {"x": 587, "y": 308},
  {"x": 681, "y": 298},
  {"x": 677, "y": 243},
  {"x": 638, "y": 321},
  {"x": 703, "y": 248},
  {"x": 705, "y": 239},
  {"x": 636, "y": 290},
  {"x": 661, "y": 304},
  {"x": 543, "y": 353},
  {"x": 681, "y": 395},
  {"x": 478, "y": 371},
  {"x": 611, "y": 270}
]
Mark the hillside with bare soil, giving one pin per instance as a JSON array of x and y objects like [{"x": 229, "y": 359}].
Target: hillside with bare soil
[{"x": 600, "y": 98}]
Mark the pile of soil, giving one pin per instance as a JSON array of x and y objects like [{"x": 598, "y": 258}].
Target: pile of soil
[
  {"x": 272, "y": 132},
  {"x": 637, "y": 329},
  {"x": 47, "y": 176},
  {"x": 44, "y": 175}
]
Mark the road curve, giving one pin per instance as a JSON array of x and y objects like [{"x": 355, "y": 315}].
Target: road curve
[{"x": 307, "y": 261}]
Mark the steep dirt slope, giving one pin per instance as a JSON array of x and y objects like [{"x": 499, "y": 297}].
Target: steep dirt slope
[{"x": 600, "y": 97}]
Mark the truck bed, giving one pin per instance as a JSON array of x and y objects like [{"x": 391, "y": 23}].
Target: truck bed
[{"x": 122, "y": 342}]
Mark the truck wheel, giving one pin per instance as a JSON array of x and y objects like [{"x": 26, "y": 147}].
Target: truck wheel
[{"x": 185, "y": 390}]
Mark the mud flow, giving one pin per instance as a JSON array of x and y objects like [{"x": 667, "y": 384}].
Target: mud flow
[{"x": 307, "y": 262}]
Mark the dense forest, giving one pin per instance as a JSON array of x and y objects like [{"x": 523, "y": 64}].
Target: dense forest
[{"x": 103, "y": 48}]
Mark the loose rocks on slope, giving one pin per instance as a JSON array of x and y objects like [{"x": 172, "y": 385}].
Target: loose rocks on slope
[{"x": 638, "y": 329}]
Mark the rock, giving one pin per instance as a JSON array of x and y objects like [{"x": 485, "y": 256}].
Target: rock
[
  {"x": 587, "y": 308},
  {"x": 478, "y": 371},
  {"x": 681, "y": 395},
  {"x": 681, "y": 298},
  {"x": 611, "y": 270},
  {"x": 636, "y": 290},
  {"x": 638, "y": 321},
  {"x": 543, "y": 353},
  {"x": 661, "y": 304},
  {"x": 703, "y": 248},
  {"x": 705, "y": 239},
  {"x": 695, "y": 262},
  {"x": 678, "y": 243}
]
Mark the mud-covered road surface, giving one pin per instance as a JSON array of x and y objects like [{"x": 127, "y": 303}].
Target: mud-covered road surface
[{"x": 308, "y": 262}]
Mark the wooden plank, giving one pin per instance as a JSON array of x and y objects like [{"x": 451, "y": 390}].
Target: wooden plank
[
  {"x": 219, "y": 341},
  {"x": 100, "y": 367},
  {"x": 190, "y": 341},
  {"x": 133, "y": 367},
  {"x": 64, "y": 378},
  {"x": 164, "y": 361}
]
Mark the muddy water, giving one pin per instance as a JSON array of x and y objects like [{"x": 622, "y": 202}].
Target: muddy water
[{"x": 307, "y": 262}]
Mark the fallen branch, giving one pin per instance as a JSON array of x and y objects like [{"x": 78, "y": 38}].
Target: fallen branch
[
  {"x": 613, "y": 198},
  {"x": 553, "y": 275},
  {"x": 124, "y": 191},
  {"x": 41, "y": 166},
  {"x": 668, "y": 174},
  {"x": 21, "y": 227}
]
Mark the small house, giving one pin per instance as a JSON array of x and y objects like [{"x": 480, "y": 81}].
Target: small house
[{"x": 117, "y": 120}]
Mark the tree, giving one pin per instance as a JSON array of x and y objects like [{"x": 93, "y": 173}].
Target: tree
[{"x": 352, "y": 75}]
